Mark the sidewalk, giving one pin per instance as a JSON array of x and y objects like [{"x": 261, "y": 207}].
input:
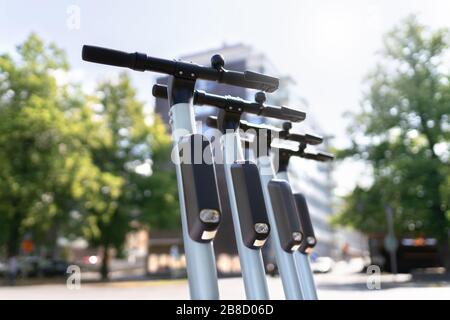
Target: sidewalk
[{"x": 333, "y": 286}]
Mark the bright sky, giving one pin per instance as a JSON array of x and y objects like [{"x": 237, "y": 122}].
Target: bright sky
[{"x": 326, "y": 46}]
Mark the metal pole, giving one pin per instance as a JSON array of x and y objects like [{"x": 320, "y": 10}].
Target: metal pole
[
  {"x": 285, "y": 262},
  {"x": 200, "y": 260},
  {"x": 302, "y": 264},
  {"x": 393, "y": 242},
  {"x": 252, "y": 266}
]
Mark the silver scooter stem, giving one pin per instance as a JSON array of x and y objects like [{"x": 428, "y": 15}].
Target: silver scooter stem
[
  {"x": 302, "y": 264},
  {"x": 200, "y": 260},
  {"x": 285, "y": 260},
  {"x": 252, "y": 265}
]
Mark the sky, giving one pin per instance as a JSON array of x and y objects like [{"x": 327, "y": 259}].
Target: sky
[{"x": 326, "y": 46}]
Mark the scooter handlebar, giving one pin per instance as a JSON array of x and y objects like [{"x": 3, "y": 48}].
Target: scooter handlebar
[
  {"x": 319, "y": 156},
  {"x": 135, "y": 61},
  {"x": 142, "y": 62},
  {"x": 203, "y": 98}
]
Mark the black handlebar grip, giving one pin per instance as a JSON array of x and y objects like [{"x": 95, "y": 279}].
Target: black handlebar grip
[
  {"x": 211, "y": 122},
  {"x": 135, "y": 61},
  {"x": 292, "y": 114},
  {"x": 271, "y": 83},
  {"x": 159, "y": 91},
  {"x": 249, "y": 79},
  {"x": 312, "y": 139},
  {"x": 302, "y": 138},
  {"x": 319, "y": 156},
  {"x": 283, "y": 113},
  {"x": 324, "y": 156}
]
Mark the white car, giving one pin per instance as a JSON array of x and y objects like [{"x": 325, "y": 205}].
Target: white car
[
  {"x": 322, "y": 265},
  {"x": 3, "y": 268}
]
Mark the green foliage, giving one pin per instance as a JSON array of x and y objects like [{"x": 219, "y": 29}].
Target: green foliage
[
  {"x": 38, "y": 142},
  {"x": 403, "y": 134},
  {"x": 77, "y": 165},
  {"x": 138, "y": 154},
  {"x": 160, "y": 197}
]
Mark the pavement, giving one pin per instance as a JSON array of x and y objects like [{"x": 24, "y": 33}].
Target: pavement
[{"x": 333, "y": 286}]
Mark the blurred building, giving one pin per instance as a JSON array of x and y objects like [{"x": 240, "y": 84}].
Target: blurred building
[{"x": 309, "y": 177}]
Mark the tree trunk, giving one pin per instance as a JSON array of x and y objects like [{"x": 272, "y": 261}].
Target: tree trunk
[
  {"x": 104, "y": 269},
  {"x": 443, "y": 235},
  {"x": 437, "y": 179},
  {"x": 12, "y": 242},
  {"x": 443, "y": 238},
  {"x": 441, "y": 219},
  {"x": 52, "y": 239}
]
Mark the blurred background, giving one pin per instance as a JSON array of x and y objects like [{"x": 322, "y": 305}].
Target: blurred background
[{"x": 85, "y": 173}]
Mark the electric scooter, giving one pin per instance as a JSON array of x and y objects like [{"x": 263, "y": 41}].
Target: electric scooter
[
  {"x": 197, "y": 185},
  {"x": 282, "y": 157},
  {"x": 277, "y": 196},
  {"x": 247, "y": 200},
  {"x": 301, "y": 257}
]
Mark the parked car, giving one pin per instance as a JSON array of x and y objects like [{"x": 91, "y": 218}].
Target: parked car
[
  {"x": 3, "y": 269},
  {"x": 28, "y": 266},
  {"x": 322, "y": 265},
  {"x": 53, "y": 268},
  {"x": 34, "y": 266}
]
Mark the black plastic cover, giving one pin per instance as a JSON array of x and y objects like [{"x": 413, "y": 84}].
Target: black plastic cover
[
  {"x": 305, "y": 219},
  {"x": 255, "y": 227},
  {"x": 199, "y": 187},
  {"x": 285, "y": 212}
]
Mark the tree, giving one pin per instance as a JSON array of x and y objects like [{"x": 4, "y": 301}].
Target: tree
[
  {"x": 403, "y": 134},
  {"x": 139, "y": 154},
  {"x": 73, "y": 164},
  {"x": 42, "y": 154}
]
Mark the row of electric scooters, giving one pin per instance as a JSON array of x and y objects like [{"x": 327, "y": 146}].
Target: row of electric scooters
[{"x": 215, "y": 179}]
